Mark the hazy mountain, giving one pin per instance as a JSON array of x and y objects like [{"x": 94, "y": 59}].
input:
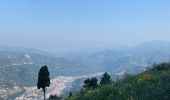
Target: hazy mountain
[
  {"x": 19, "y": 66},
  {"x": 134, "y": 58}
]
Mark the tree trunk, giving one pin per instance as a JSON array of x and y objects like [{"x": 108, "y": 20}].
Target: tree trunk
[{"x": 44, "y": 93}]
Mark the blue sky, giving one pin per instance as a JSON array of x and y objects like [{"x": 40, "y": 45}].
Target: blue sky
[{"x": 69, "y": 24}]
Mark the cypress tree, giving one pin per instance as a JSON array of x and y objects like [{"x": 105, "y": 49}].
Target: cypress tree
[{"x": 43, "y": 79}]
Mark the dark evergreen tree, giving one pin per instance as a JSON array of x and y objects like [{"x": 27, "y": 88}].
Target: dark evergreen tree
[
  {"x": 43, "y": 79},
  {"x": 106, "y": 79},
  {"x": 54, "y": 97},
  {"x": 94, "y": 83},
  {"x": 70, "y": 95},
  {"x": 90, "y": 83},
  {"x": 87, "y": 83}
]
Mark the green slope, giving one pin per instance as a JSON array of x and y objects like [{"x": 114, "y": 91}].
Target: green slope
[{"x": 153, "y": 84}]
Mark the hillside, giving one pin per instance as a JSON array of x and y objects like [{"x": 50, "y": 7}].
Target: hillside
[
  {"x": 19, "y": 68},
  {"x": 153, "y": 84},
  {"x": 132, "y": 59}
]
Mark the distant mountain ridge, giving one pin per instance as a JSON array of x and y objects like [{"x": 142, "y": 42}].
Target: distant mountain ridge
[
  {"x": 139, "y": 55},
  {"x": 20, "y": 66}
]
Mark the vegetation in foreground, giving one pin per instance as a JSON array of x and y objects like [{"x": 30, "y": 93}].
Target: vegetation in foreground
[{"x": 153, "y": 84}]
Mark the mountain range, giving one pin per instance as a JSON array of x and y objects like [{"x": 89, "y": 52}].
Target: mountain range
[{"x": 19, "y": 66}]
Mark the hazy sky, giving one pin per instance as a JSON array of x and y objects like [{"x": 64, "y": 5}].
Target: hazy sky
[{"x": 67, "y": 24}]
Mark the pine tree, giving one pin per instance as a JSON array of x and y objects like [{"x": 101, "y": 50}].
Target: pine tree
[
  {"x": 43, "y": 79},
  {"x": 70, "y": 95},
  {"x": 54, "y": 97},
  {"x": 94, "y": 83},
  {"x": 106, "y": 79},
  {"x": 91, "y": 83}
]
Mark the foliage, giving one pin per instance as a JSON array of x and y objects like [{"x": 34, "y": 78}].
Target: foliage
[
  {"x": 153, "y": 84},
  {"x": 43, "y": 79},
  {"x": 91, "y": 83},
  {"x": 70, "y": 95},
  {"x": 54, "y": 97},
  {"x": 106, "y": 79}
]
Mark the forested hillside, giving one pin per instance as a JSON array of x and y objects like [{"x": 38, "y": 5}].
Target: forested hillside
[{"x": 153, "y": 84}]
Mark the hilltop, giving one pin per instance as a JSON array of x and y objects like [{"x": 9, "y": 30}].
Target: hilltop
[{"x": 152, "y": 84}]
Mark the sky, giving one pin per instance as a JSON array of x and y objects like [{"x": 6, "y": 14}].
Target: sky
[{"x": 54, "y": 25}]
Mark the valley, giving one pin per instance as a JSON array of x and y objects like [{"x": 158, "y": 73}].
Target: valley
[{"x": 19, "y": 67}]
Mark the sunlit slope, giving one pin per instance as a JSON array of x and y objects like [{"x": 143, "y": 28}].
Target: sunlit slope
[{"x": 153, "y": 84}]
